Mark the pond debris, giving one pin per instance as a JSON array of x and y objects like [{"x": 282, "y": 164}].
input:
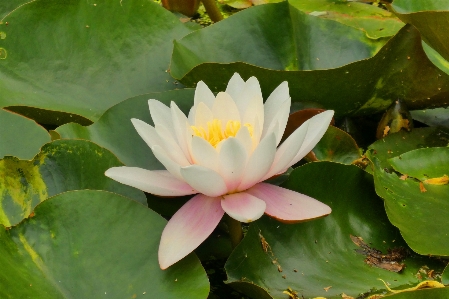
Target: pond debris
[
  {"x": 265, "y": 246},
  {"x": 292, "y": 294},
  {"x": 422, "y": 188},
  {"x": 437, "y": 181},
  {"x": 344, "y": 296},
  {"x": 327, "y": 288},
  {"x": 428, "y": 284},
  {"x": 390, "y": 261},
  {"x": 396, "y": 118}
]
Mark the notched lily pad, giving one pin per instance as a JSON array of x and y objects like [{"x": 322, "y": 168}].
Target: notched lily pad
[{"x": 61, "y": 166}]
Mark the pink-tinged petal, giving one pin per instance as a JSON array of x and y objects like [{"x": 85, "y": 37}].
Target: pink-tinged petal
[
  {"x": 243, "y": 207},
  {"x": 225, "y": 109},
  {"x": 204, "y": 180},
  {"x": 188, "y": 228},
  {"x": 161, "y": 115},
  {"x": 147, "y": 132},
  {"x": 204, "y": 154},
  {"x": 287, "y": 205},
  {"x": 180, "y": 123},
  {"x": 158, "y": 182},
  {"x": 273, "y": 104},
  {"x": 245, "y": 139},
  {"x": 287, "y": 151},
  {"x": 172, "y": 166},
  {"x": 171, "y": 147},
  {"x": 235, "y": 86},
  {"x": 203, "y": 95},
  {"x": 203, "y": 115},
  {"x": 233, "y": 158},
  {"x": 317, "y": 127},
  {"x": 259, "y": 163}
]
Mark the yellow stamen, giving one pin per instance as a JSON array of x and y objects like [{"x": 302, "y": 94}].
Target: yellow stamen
[{"x": 214, "y": 133}]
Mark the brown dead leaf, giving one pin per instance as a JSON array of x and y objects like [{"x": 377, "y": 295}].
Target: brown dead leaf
[
  {"x": 327, "y": 288},
  {"x": 403, "y": 177},
  {"x": 421, "y": 187},
  {"x": 386, "y": 130}
]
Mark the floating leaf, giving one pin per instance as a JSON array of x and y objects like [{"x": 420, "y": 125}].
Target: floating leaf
[
  {"x": 318, "y": 258},
  {"x": 432, "y": 117},
  {"x": 327, "y": 63},
  {"x": 20, "y": 137},
  {"x": 93, "y": 244},
  {"x": 85, "y": 56},
  {"x": 374, "y": 21},
  {"x": 61, "y": 166}
]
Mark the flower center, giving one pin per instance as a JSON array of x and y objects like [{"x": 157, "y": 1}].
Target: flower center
[{"x": 214, "y": 132}]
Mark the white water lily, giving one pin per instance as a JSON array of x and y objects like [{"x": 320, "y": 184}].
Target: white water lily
[{"x": 224, "y": 150}]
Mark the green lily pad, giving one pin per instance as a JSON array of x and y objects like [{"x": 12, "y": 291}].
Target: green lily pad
[
  {"x": 93, "y": 244},
  {"x": 441, "y": 293},
  {"x": 336, "y": 146},
  {"x": 20, "y": 137},
  {"x": 327, "y": 63},
  {"x": 115, "y": 131},
  {"x": 7, "y": 6},
  {"x": 85, "y": 56},
  {"x": 416, "y": 198},
  {"x": 318, "y": 258},
  {"x": 430, "y": 17},
  {"x": 432, "y": 117},
  {"x": 374, "y": 21},
  {"x": 62, "y": 165}
]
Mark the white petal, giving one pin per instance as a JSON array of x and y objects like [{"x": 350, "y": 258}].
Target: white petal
[
  {"x": 203, "y": 115},
  {"x": 204, "y": 154},
  {"x": 147, "y": 132},
  {"x": 204, "y": 180},
  {"x": 288, "y": 149},
  {"x": 259, "y": 163},
  {"x": 279, "y": 121},
  {"x": 245, "y": 139},
  {"x": 203, "y": 95},
  {"x": 180, "y": 123},
  {"x": 158, "y": 182},
  {"x": 250, "y": 91},
  {"x": 243, "y": 207},
  {"x": 287, "y": 205},
  {"x": 171, "y": 146},
  {"x": 254, "y": 110},
  {"x": 188, "y": 228},
  {"x": 225, "y": 109},
  {"x": 233, "y": 158},
  {"x": 317, "y": 127},
  {"x": 169, "y": 164},
  {"x": 161, "y": 115},
  {"x": 235, "y": 86},
  {"x": 273, "y": 104}
]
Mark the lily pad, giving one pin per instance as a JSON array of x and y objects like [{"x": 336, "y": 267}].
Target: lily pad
[
  {"x": 62, "y": 165},
  {"x": 20, "y": 137},
  {"x": 93, "y": 244},
  {"x": 430, "y": 17},
  {"x": 374, "y": 21},
  {"x": 416, "y": 198},
  {"x": 85, "y": 56},
  {"x": 327, "y": 63},
  {"x": 432, "y": 117},
  {"x": 318, "y": 258}
]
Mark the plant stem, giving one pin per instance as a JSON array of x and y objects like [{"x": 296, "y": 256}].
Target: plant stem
[
  {"x": 212, "y": 10},
  {"x": 235, "y": 231}
]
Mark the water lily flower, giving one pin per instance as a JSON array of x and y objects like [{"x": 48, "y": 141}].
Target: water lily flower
[{"x": 223, "y": 151}]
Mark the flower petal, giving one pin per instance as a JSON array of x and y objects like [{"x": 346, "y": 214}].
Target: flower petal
[
  {"x": 259, "y": 162},
  {"x": 203, "y": 95},
  {"x": 245, "y": 139},
  {"x": 225, "y": 109},
  {"x": 279, "y": 121},
  {"x": 147, "y": 132},
  {"x": 180, "y": 123},
  {"x": 288, "y": 149},
  {"x": 317, "y": 127},
  {"x": 250, "y": 91},
  {"x": 204, "y": 180},
  {"x": 203, "y": 115},
  {"x": 188, "y": 228},
  {"x": 243, "y": 207},
  {"x": 233, "y": 158},
  {"x": 254, "y": 110},
  {"x": 171, "y": 165},
  {"x": 171, "y": 146},
  {"x": 158, "y": 182},
  {"x": 161, "y": 115},
  {"x": 235, "y": 86},
  {"x": 273, "y": 103},
  {"x": 287, "y": 205},
  {"x": 204, "y": 154}
]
